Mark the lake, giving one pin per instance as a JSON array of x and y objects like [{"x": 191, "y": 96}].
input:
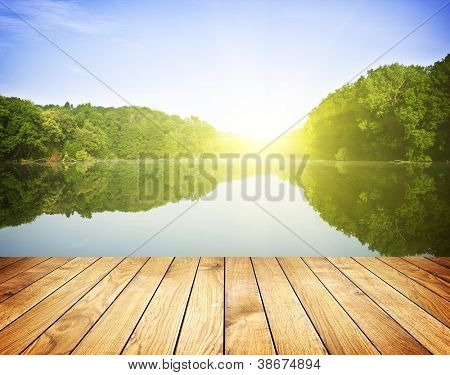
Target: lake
[{"x": 156, "y": 208}]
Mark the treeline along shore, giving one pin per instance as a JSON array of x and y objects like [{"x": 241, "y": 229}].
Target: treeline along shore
[
  {"x": 394, "y": 112},
  {"x": 52, "y": 132}
]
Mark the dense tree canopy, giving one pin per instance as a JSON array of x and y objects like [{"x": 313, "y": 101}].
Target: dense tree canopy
[
  {"x": 395, "y": 112},
  {"x": 29, "y": 131}
]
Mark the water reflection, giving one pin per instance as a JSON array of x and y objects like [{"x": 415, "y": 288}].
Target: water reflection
[
  {"x": 395, "y": 209},
  {"x": 350, "y": 209}
]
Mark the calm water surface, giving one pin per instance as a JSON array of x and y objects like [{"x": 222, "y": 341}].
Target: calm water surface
[{"x": 121, "y": 208}]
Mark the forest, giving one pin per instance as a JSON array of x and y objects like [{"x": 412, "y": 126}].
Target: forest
[
  {"x": 68, "y": 133},
  {"x": 395, "y": 112}
]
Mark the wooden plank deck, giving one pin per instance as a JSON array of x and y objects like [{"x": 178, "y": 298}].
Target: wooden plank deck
[{"x": 214, "y": 305}]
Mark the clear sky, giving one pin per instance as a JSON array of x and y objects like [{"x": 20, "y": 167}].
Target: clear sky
[{"x": 251, "y": 67}]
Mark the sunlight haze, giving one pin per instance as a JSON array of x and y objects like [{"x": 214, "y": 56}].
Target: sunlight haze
[{"x": 251, "y": 67}]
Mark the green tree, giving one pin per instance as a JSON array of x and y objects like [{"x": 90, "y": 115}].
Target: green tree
[
  {"x": 395, "y": 112},
  {"x": 20, "y": 129}
]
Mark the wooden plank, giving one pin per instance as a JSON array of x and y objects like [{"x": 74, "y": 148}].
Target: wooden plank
[
  {"x": 246, "y": 327},
  {"x": 67, "y": 331},
  {"x": 23, "y": 331},
  {"x": 443, "y": 261},
  {"x": 202, "y": 329},
  {"x": 423, "y": 277},
  {"x": 158, "y": 329},
  {"x": 384, "y": 332},
  {"x": 110, "y": 334},
  {"x": 431, "y": 333},
  {"x": 18, "y": 267},
  {"x": 292, "y": 331},
  {"x": 21, "y": 281},
  {"x": 425, "y": 298},
  {"x": 337, "y": 330},
  {"x": 6, "y": 261},
  {"x": 19, "y": 303},
  {"x": 431, "y": 267}
]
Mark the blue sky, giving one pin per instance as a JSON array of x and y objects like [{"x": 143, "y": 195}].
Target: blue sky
[{"x": 251, "y": 67}]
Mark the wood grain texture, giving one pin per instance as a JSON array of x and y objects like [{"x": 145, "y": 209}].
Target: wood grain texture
[
  {"x": 384, "y": 332},
  {"x": 431, "y": 333},
  {"x": 110, "y": 334},
  {"x": 24, "y": 330},
  {"x": 443, "y": 261},
  {"x": 267, "y": 306},
  {"x": 425, "y": 298},
  {"x": 19, "y": 303},
  {"x": 67, "y": 331},
  {"x": 17, "y": 267},
  {"x": 292, "y": 331},
  {"x": 337, "y": 330},
  {"x": 6, "y": 261},
  {"x": 24, "y": 279},
  {"x": 202, "y": 329},
  {"x": 157, "y": 331},
  {"x": 431, "y": 267},
  {"x": 246, "y": 327},
  {"x": 423, "y": 277}
]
